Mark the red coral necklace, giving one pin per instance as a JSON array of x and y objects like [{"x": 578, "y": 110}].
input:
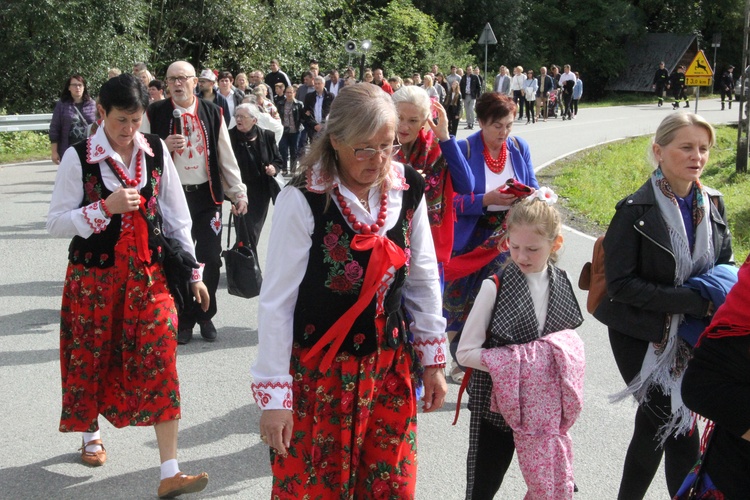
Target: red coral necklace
[
  {"x": 496, "y": 165},
  {"x": 124, "y": 175},
  {"x": 356, "y": 225}
]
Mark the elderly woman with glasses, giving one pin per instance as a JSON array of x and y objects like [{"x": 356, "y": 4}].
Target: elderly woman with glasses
[
  {"x": 349, "y": 317},
  {"x": 260, "y": 162}
]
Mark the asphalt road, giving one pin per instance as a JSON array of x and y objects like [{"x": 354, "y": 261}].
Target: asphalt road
[{"x": 219, "y": 425}]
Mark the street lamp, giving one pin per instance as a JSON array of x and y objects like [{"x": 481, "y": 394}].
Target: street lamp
[{"x": 366, "y": 45}]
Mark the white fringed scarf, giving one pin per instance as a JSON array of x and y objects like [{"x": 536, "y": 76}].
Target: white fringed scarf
[{"x": 665, "y": 362}]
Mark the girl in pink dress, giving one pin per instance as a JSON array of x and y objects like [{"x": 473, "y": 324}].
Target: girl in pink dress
[{"x": 527, "y": 387}]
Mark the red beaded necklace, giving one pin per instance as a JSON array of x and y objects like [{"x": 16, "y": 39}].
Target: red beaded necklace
[
  {"x": 496, "y": 165},
  {"x": 124, "y": 175},
  {"x": 356, "y": 225}
]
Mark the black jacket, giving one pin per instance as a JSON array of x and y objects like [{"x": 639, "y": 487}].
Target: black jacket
[
  {"x": 639, "y": 266},
  {"x": 475, "y": 86},
  {"x": 297, "y": 113},
  {"x": 309, "y": 117}
]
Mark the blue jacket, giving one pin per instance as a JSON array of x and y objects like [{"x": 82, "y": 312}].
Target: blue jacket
[
  {"x": 714, "y": 286},
  {"x": 469, "y": 206}
]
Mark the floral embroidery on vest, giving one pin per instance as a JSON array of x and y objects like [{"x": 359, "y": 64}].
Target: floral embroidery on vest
[
  {"x": 92, "y": 188},
  {"x": 151, "y": 207},
  {"x": 407, "y": 237},
  {"x": 344, "y": 274}
]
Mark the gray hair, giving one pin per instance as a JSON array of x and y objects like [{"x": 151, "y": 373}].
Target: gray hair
[
  {"x": 319, "y": 79},
  {"x": 251, "y": 109},
  {"x": 417, "y": 96},
  {"x": 357, "y": 114},
  {"x": 670, "y": 125}
]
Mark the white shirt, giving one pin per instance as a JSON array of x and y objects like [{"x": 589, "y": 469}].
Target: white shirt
[
  {"x": 469, "y": 352},
  {"x": 516, "y": 83},
  {"x": 286, "y": 264},
  {"x": 230, "y": 104},
  {"x": 569, "y": 76},
  {"x": 66, "y": 218},
  {"x": 318, "y": 111},
  {"x": 493, "y": 181},
  {"x": 192, "y": 161}
]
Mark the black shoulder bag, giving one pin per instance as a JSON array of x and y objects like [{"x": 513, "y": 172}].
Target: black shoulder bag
[
  {"x": 177, "y": 263},
  {"x": 244, "y": 277}
]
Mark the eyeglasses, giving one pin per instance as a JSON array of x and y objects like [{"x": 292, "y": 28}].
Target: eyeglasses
[
  {"x": 364, "y": 154},
  {"x": 76, "y": 85},
  {"x": 182, "y": 79},
  {"x": 243, "y": 117}
]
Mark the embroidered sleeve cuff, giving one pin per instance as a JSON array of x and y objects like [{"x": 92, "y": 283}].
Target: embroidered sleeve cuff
[
  {"x": 95, "y": 217},
  {"x": 431, "y": 352},
  {"x": 197, "y": 274},
  {"x": 275, "y": 395}
]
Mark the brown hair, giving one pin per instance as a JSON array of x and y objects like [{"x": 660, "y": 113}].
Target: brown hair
[{"x": 494, "y": 106}]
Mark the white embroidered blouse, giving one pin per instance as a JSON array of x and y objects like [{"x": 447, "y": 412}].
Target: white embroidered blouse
[
  {"x": 67, "y": 219},
  {"x": 287, "y": 260}
]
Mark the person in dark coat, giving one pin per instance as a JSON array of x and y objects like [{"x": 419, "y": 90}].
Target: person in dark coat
[
  {"x": 671, "y": 229},
  {"x": 260, "y": 162}
]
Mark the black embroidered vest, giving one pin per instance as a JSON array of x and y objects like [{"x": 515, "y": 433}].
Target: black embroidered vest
[
  {"x": 514, "y": 322},
  {"x": 162, "y": 124},
  {"x": 98, "y": 249},
  {"x": 335, "y": 273}
]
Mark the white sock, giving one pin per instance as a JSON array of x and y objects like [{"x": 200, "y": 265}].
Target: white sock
[
  {"x": 170, "y": 468},
  {"x": 91, "y": 436}
]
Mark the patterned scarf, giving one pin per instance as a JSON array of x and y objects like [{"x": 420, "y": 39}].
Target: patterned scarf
[
  {"x": 665, "y": 362},
  {"x": 427, "y": 158}
]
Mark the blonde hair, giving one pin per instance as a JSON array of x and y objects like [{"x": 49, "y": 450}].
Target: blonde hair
[
  {"x": 358, "y": 113},
  {"x": 670, "y": 125},
  {"x": 544, "y": 218}
]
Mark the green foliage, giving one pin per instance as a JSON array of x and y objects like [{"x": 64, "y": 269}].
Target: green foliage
[
  {"x": 23, "y": 146},
  {"x": 46, "y": 41}
]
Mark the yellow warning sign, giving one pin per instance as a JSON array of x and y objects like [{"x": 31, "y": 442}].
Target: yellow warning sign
[
  {"x": 699, "y": 66},
  {"x": 698, "y": 81}
]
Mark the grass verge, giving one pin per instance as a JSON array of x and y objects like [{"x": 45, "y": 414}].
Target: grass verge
[
  {"x": 16, "y": 147},
  {"x": 591, "y": 182}
]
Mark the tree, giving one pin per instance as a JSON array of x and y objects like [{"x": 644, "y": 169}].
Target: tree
[{"x": 46, "y": 41}]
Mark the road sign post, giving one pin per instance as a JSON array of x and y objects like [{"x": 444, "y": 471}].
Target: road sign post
[
  {"x": 698, "y": 74},
  {"x": 486, "y": 38}
]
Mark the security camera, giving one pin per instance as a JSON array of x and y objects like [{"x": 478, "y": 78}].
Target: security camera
[{"x": 350, "y": 46}]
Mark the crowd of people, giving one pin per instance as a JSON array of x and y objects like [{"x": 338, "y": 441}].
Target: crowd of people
[{"x": 396, "y": 253}]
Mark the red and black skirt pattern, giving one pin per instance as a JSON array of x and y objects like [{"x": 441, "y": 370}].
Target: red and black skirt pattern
[
  {"x": 355, "y": 427},
  {"x": 118, "y": 343}
]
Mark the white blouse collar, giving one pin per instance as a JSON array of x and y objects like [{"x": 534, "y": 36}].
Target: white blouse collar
[
  {"x": 99, "y": 149},
  {"x": 318, "y": 182}
]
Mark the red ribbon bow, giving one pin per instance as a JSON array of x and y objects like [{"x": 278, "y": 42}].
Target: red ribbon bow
[{"x": 385, "y": 254}]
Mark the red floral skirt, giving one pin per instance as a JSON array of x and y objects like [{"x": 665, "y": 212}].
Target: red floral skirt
[
  {"x": 118, "y": 344},
  {"x": 355, "y": 429}
]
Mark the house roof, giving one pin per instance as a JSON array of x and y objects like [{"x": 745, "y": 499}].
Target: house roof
[{"x": 645, "y": 54}]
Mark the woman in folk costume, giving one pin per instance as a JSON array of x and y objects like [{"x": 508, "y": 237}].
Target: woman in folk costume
[
  {"x": 350, "y": 262},
  {"x": 670, "y": 230},
  {"x": 526, "y": 389},
  {"x": 118, "y": 323},
  {"x": 495, "y": 157},
  {"x": 434, "y": 154}
]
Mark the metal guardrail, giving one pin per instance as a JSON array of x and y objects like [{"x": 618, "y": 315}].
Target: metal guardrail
[{"x": 16, "y": 123}]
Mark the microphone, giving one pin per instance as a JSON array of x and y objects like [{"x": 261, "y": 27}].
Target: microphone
[{"x": 177, "y": 115}]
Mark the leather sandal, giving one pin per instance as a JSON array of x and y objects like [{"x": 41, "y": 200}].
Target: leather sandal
[{"x": 93, "y": 458}]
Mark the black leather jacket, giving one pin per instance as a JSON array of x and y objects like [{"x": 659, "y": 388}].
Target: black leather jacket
[{"x": 640, "y": 266}]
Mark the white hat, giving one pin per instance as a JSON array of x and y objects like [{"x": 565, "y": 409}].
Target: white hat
[{"x": 207, "y": 74}]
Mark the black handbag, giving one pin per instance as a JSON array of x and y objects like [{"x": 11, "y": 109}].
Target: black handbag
[
  {"x": 178, "y": 264},
  {"x": 244, "y": 277}
]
